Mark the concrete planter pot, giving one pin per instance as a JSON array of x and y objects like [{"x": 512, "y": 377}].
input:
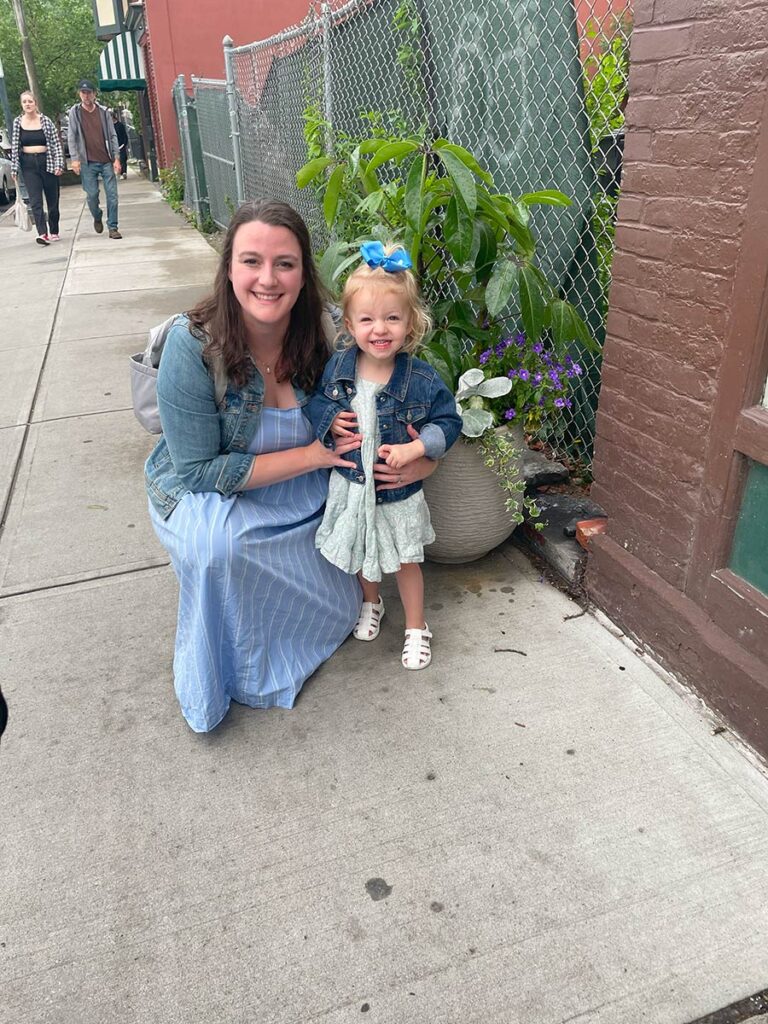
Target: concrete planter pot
[{"x": 467, "y": 503}]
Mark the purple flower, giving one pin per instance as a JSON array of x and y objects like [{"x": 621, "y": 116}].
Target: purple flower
[
  {"x": 560, "y": 368},
  {"x": 523, "y": 374},
  {"x": 559, "y": 403},
  {"x": 485, "y": 356},
  {"x": 519, "y": 339},
  {"x": 538, "y": 348},
  {"x": 576, "y": 369},
  {"x": 499, "y": 349},
  {"x": 547, "y": 358},
  {"x": 541, "y": 401},
  {"x": 511, "y": 374},
  {"x": 510, "y": 414},
  {"x": 538, "y": 378},
  {"x": 568, "y": 403},
  {"x": 554, "y": 377}
]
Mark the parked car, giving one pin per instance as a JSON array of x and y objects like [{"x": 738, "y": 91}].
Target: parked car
[{"x": 7, "y": 184}]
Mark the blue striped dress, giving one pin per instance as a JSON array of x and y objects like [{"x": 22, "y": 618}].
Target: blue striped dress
[{"x": 260, "y": 609}]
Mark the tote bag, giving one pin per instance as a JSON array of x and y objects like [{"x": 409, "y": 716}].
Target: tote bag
[{"x": 22, "y": 215}]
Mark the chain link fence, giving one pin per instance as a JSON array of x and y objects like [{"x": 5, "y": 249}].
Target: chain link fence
[
  {"x": 535, "y": 90},
  {"x": 216, "y": 147}
]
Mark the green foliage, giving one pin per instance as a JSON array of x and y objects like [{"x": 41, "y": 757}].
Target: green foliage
[
  {"x": 604, "y": 230},
  {"x": 64, "y": 45},
  {"x": 501, "y": 454},
  {"x": 606, "y": 75},
  {"x": 315, "y": 127},
  {"x": 406, "y": 22},
  {"x": 207, "y": 225},
  {"x": 473, "y": 248},
  {"x": 172, "y": 184}
]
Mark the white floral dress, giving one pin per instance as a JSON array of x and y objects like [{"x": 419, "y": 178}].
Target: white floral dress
[{"x": 358, "y": 534}]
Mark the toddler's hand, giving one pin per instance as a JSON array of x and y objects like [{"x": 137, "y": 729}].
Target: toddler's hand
[
  {"x": 345, "y": 425},
  {"x": 398, "y": 455}
]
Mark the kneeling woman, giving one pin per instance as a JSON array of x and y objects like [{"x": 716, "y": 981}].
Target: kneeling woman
[{"x": 237, "y": 486}]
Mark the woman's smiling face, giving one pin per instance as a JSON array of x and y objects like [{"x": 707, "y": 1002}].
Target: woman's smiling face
[{"x": 267, "y": 273}]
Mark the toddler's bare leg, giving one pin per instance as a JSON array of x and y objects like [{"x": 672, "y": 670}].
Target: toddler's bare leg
[
  {"x": 370, "y": 590},
  {"x": 410, "y": 583}
]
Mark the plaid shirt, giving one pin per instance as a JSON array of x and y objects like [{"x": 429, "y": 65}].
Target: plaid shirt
[{"x": 54, "y": 156}]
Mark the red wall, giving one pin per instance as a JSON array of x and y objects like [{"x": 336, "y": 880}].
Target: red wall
[
  {"x": 186, "y": 40},
  {"x": 603, "y": 15}
]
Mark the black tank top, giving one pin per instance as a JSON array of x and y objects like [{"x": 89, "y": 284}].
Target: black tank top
[{"x": 32, "y": 137}]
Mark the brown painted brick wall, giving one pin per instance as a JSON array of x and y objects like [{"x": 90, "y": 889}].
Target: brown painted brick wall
[{"x": 697, "y": 94}]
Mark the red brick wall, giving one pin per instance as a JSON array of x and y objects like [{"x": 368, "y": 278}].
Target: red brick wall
[
  {"x": 697, "y": 96},
  {"x": 682, "y": 348}
]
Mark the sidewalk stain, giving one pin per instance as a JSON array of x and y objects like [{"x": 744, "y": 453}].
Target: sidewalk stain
[{"x": 377, "y": 889}]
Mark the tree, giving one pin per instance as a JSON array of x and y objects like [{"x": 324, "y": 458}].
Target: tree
[{"x": 64, "y": 45}]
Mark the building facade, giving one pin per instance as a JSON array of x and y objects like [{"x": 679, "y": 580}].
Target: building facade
[{"x": 681, "y": 461}]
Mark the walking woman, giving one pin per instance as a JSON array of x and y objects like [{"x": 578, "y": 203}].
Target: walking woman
[{"x": 36, "y": 151}]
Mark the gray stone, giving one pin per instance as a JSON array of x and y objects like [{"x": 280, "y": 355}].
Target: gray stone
[{"x": 539, "y": 470}]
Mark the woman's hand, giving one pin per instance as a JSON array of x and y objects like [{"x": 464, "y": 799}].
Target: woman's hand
[
  {"x": 389, "y": 478},
  {"x": 58, "y": 172},
  {"x": 321, "y": 457}
]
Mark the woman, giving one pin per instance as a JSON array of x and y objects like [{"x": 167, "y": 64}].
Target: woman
[
  {"x": 237, "y": 491},
  {"x": 36, "y": 151}
]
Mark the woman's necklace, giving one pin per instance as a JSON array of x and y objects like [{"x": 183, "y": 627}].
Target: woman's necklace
[{"x": 264, "y": 367}]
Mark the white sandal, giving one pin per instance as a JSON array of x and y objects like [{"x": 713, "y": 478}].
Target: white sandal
[
  {"x": 417, "y": 650},
  {"x": 369, "y": 621}
]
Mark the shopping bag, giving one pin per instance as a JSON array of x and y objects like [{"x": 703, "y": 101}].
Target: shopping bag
[{"x": 22, "y": 215}]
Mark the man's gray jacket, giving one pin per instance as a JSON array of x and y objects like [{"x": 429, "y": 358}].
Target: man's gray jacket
[{"x": 76, "y": 139}]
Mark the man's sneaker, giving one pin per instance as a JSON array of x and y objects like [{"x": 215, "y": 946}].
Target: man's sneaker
[
  {"x": 98, "y": 225},
  {"x": 54, "y": 238},
  {"x": 42, "y": 240},
  {"x": 114, "y": 233}
]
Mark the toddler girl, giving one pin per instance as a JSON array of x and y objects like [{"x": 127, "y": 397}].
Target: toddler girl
[{"x": 376, "y": 389}]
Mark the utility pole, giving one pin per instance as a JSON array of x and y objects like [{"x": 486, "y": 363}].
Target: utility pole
[{"x": 26, "y": 50}]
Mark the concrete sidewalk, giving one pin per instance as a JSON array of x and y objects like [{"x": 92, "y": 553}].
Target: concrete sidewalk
[{"x": 543, "y": 835}]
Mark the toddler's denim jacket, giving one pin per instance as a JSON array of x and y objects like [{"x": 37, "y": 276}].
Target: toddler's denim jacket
[{"x": 414, "y": 395}]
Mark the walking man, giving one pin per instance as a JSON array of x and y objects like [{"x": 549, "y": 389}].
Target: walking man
[{"x": 95, "y": 153}]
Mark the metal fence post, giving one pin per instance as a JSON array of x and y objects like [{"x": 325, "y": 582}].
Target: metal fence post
[
  {"x": 228, "y": 44},
  {"x": 326, "y": 25},
  {"x": 191, "y": 190}
]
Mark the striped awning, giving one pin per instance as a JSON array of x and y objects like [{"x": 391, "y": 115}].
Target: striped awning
[{"x": 121, "y": 64}]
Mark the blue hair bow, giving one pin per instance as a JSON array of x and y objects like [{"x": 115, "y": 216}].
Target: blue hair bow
[{"x": 374, "y": 255}]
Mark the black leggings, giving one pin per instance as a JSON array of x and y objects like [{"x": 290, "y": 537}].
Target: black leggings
[{"x": 39, "y": 181}]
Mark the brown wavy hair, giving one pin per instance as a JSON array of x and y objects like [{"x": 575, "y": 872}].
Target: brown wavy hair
[{"x": 220, "y": 317}]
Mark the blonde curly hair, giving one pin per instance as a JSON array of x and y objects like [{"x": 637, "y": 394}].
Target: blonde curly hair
[{"x": 402, "y": 283}]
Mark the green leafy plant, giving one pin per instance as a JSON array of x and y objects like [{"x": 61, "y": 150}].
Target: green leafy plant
[
  {"x": 473, "y": 388},
  {"x": 172, "y": 184},
  {"x": 473, "y": 247},
  {"x": 606, "y": 76},
  {"x": 406, "y": 23},
  {"x": 502, "y": 456}
]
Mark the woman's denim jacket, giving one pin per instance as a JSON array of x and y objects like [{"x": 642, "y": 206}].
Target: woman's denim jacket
[
  {"x": 414, "y": 395},
  {"x": 203, "y": 447}
]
